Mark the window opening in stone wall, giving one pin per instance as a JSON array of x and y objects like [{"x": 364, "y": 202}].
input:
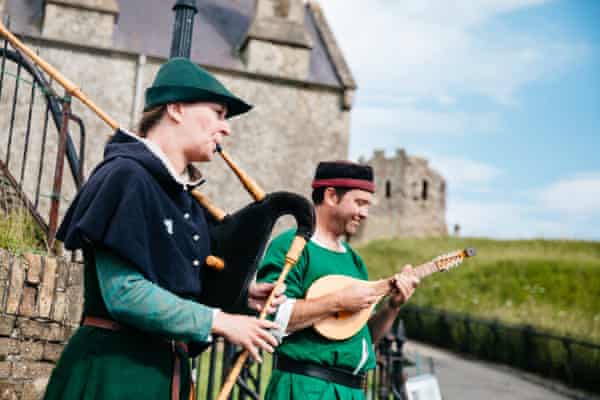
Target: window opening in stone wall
[
  {"x": 388, "y": 189},
  {"x": 424, "y": 190}
]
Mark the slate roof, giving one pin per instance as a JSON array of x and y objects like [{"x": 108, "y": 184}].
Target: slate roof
[{"x": 145, "y": 27}]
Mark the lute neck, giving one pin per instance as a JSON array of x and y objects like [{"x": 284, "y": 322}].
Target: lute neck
[{"x": 385, "y": 286}]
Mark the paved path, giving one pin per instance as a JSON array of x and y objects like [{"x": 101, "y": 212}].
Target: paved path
[{"x": 461, "y": 379}]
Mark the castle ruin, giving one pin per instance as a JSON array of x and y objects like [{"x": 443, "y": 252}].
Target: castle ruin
[{"x": 410, "y": 200}]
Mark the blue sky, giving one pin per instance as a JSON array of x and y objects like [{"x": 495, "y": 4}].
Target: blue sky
[{"x": 502, "y": 97}]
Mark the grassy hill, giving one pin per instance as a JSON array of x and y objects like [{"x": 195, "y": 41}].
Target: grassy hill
[{"x": 553, "y": 285}]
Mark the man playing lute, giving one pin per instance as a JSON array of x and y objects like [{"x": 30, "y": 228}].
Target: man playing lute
[{"x": 308, "y": 364}]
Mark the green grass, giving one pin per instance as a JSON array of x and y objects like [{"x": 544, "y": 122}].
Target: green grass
[
  {"x": 550, "y": 284},
  {"x": 20, "y": 233}
]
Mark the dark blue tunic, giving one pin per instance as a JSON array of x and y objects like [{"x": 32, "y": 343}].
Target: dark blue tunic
[{"x": 134, "y": 207}]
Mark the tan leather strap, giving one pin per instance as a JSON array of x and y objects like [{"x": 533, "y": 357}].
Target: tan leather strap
[
  {"x": 176, "y": 381},
  {"x": 176, "y": 377},
  {"x": 101, "y": 323}
]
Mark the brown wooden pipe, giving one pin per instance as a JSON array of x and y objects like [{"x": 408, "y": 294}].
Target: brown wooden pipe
[
  {"x": 251, "y": 186},
  {"x": 291, "y": 258},
  {"x": 215, "y": 211},
  {"x": 215, "y": 263}
]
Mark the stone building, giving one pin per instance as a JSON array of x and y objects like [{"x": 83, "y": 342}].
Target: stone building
[
  {"x": 279, "y": 55},
  {"x": 410, "y": 199}
]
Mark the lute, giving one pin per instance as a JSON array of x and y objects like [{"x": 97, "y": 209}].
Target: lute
[{"x": 345, "y": 324}]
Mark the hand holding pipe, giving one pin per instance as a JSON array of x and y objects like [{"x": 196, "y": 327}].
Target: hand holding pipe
[{"x": 291, "y": 258}]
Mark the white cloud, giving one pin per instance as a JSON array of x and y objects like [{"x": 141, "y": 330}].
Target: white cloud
[
  {"x": 462, "y": 13},
  {"x": 576, "y": 195},
  {"x": 446, "y": 100},
  {"x": 413, "y": 120},
  {"x": 440, "y": 49},
  {"x": 465, "y": 175},
  {"x": 568, "y": 208},
  {"x": 410, "y": 55},
  {"x": 387, "y": 127},
  {"x": 507, "y": 221}
]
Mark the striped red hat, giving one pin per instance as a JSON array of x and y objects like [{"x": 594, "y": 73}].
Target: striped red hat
[{"x": 344, "y": 174}]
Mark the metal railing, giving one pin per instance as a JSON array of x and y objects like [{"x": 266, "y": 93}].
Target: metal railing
[
  {"x": 212, "y": 367},
  {"x": 575, "y": 362},
  {"x": 35, "y": 137},
  {"x": 386, "y": 381}
]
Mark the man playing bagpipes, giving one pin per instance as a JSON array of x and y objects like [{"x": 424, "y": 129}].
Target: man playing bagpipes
[
  {"x": 308, "y": 364},
  {"x": 145, "y": 240}
]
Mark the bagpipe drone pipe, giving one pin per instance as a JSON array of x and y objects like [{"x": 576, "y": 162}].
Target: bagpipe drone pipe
[{"x": 239, "y": 240}]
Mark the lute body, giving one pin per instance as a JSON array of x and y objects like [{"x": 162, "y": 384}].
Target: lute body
[{"x": 343, "y": 325}]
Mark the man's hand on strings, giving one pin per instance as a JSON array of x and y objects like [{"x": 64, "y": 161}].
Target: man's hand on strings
[
  {"x": 405, "y": 283},
  {"x": 258, "y": 294},
  {"x": 356, "y": 297}
]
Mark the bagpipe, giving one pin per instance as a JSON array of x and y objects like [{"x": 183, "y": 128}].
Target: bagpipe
[
  {"x": 237, "y": 240},
  {"x": 234, "y": 262}
]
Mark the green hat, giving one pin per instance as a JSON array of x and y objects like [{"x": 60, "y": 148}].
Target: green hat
[{"x": 180, "y": 80}]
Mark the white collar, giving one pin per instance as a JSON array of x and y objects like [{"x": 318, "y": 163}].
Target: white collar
[
  {"x": 183, "y": 179},
  {"x": 319, "y": 242}
]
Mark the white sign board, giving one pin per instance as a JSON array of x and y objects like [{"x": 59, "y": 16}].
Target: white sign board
[{"x": 423, "y": 387}]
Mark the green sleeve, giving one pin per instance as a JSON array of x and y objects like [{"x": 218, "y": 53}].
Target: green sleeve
[
  {"x": 274, "y": 260},
  {"x": 132, "y": 299}
]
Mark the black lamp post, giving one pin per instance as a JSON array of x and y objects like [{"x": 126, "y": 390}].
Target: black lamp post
[{"x": 181, "y": 43}]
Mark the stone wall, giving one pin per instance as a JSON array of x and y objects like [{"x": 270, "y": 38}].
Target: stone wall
[
  {"x": 424, "y": 211},
  {"x": 410, "y": 199},
  {"x": 283, "y": 60},
  {"x": 40, "y": 306},
  {"x": 281, "y": 141},
  {"x": 277, "y": 42},
  {"x": 70, "y": 19}
]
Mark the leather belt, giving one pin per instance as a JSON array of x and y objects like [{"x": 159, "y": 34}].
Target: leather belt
[
  {"x": 101, "y": 323},
  {"x": 313, "y": 370},
  {"x": 115, "y": 326}
]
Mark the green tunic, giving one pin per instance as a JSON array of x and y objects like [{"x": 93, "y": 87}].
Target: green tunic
[
  {"x": 103, "y": 364},
  {"x": 353, "y": 355}
]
